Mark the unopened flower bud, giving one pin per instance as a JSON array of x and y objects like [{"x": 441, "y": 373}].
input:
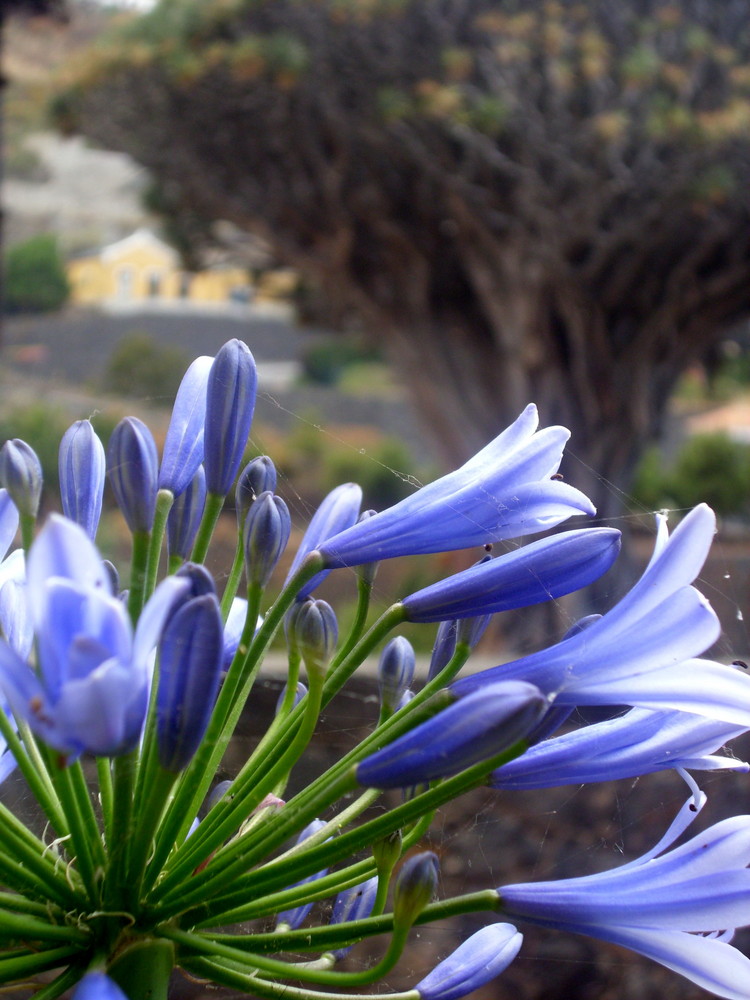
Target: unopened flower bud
[
  {"x": 313, "y": 631},
  {"x": 479, "y": 959},
  {"x": 82, "y": 466},
  {"x": 387, "y": 851},
  {"x": 415, "y": 887},
  {"x": 473, "y": 729},
  {"x": 395, "y": 672},
  {"x": 230, "y": 402},
  {"x": 183, "y": 444},
  {"x": 132, "y": 469},
  {"x": 258, "y": 476},
  {"x": 185, "y": 515},
  {"x": 21, "y": 475},
  {"x": 267, "y": 528},
  {"x": 190, "y": 662}
]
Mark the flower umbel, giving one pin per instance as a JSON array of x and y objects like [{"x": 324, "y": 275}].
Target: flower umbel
[{"x": 262, "y": 869}]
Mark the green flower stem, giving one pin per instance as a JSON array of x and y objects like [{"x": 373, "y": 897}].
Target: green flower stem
[
  {"x": 175, "y": 561},
  {"x": 15, "y": 903},
  {"x": 144, "y": 825},
  {"x": 104, "y": 774},
  {"x": 343, "y": 667},
  {"x": 143, "y": 970},
  {"x": 233, "y": 907},
  {"x": 308, "y": 803},
  {"x": 69, "y": 977},
  {"x": 29, "y": 963},
  {"x": 235, "y": 574},
  {"x": 227, "y": 816},
  {"x": 122, "y": 802},
  {"x": 229, "y": 862},
  {"x": 138, "y": 566},
  {"x": 28, "y": 864},
  {"x": 275, "y": 876},
  {"x": 197, "y": 779},
  {"x": 211, "y": 512},
  {"x": 288, "y": 970},
  {"x": 290, "y": 690},
  {"x": 228, "y": 975},
  {"x": 21, "y": 927},
  {"x": 364, "y": 593},
  {"x": 27, "y": 523},
  {"x": 326, "y": 937},
  {"x": 85, "y": 838},
  {"x": 164, "y": 501},
  {"x": 34, "y": 770},
  {"x": 322, "y": 888}
]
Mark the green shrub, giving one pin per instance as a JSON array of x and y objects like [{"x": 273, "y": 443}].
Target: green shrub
[
  {"x": 710, "y": 467},
  {"x": 325, "y": 361},
  {"x": 141, "y": 368},
  {"x": 35, "y": 279}
]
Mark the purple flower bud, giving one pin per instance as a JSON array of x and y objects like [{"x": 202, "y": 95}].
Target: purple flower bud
[
  {"x": 183, "y": 445},
  {"x": 469, "y": 731},
  {"x": 132, "y": 468},
  {"x": 98, "y": 986},
  {"x": 266, "y": 533},
  {"x": 258, "y": 476},
  {"x": 355, "y": 903},
  {"x": 215, "y": 796},
  {"x": 190, "y": 661},
  {"x": 313, "y": 630},
  {"x": 416, "y": 885},
  {"x": 395, "y": 672},
  {"x": 185, "y": 516},
  {"x": 537, "y": 572},
  {"x": 21, "y": 475},
  {"x": 339, "y": 510},
  {"x": 82, "y": 465},
  {"x": 230, "y": 402},
  {"x": 475, "y": 962}
]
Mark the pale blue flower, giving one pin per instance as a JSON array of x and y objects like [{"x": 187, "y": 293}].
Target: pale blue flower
[
  {"x": 505, "y": 491},
  {"x": 183, "y": 444},
  {"x": 641, "y": 652},
  {"x": 82, "y": 468},
  {"x": 338, "y": 511},
  {"x": 295, "y": 917},
  {"x": 639, "y": 742},
  {"x": 480, "y": 958},
  {"x": 679, "y": 908},
  {"x": 354, "y": 903},
  {"x": 89, "y": 690},
  {"x": 8, "y": 521}
]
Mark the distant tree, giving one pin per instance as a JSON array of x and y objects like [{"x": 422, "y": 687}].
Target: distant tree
[
  {"x": 524, "y": 200},
  {"x": 35, "y": 276}
]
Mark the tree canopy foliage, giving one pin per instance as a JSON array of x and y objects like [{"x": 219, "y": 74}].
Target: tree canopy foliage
[{"x": 545, "y": 200}]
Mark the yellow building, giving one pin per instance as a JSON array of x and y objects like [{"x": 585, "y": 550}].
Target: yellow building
[{"x": 141, "y": 270}]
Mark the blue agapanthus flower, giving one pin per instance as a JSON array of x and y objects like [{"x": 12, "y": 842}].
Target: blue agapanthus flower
[
  {"x": 678, "y": 908},
  {"x": 642, "y": 651},
  {"x": 505, "y": 491},
  {"x": 89, "y": 689}
]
